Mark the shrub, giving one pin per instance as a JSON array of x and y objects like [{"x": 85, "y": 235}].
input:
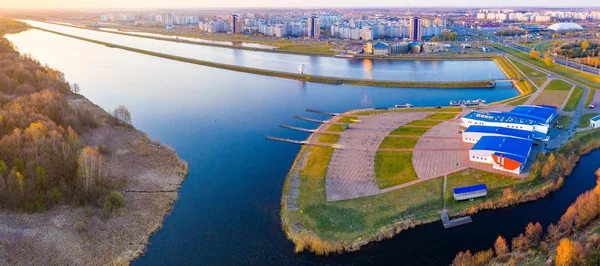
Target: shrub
[{"x": 114, "y": 202}]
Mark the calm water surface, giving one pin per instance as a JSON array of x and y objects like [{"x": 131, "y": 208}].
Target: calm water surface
[
  {"x": 228, "y": 211},
  {"x": 316, "y": 65}
]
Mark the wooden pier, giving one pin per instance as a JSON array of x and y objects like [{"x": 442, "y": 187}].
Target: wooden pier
[
  {"x": 322, "y": 113},
  {"x": 454, "y": 222},
  {"x": 310, "y": 119},
  {"x": 298, "y": 128}
]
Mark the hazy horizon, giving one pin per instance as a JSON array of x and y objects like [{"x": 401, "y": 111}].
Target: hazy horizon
[{"x": 146, "y": 4}]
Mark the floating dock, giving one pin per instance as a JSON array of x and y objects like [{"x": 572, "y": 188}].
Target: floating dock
[
  {"x": 322, "y": 113},
  {"x": 454, "y": 222},
  {"x": 298, "y": 128},
  {"x": 310, "y": 119}
]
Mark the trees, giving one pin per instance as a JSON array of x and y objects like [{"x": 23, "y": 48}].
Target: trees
[
  {"x": 569, "y": 253},
  {"x": 534, "y": 233},
  {"x": 114, "y": 202},
  {"x": 462, "y": 259},
  {"x": 122, "y": 114},
  {"x": 556, "y": 36},
  {"x": 585, "y": 45},
  {"x": 89, "y": 164},
  {"x": 535, "y": 54},
  {"x": 435, "y": 39},
  {"x": 500, "y": 246}
]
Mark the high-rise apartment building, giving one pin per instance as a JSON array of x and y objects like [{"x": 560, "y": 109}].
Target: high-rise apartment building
[
  {"x": 236, "y": 24},
  {"x": 415, "y": 29},
  {"x": 314, "y": 29}
]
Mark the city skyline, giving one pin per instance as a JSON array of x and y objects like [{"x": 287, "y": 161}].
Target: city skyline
[{"x": 60, "y": 4}]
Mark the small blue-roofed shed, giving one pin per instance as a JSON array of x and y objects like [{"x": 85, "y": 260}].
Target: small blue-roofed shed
[
  {"x": 595, "y": 121},
  {"x": 470, "y": 192}
]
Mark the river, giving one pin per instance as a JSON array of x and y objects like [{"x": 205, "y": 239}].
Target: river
[
  {"x": 314, "y": 65},
  {"x": 228, "y": 211}
]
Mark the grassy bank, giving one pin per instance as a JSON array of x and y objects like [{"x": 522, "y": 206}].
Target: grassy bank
[
  {"x": 574, "y": 99},
  {"x": 584, "y": 78},
  {"x": 294, "y": 76}
]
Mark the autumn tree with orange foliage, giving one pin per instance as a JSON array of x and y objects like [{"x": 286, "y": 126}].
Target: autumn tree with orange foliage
[
  {"x": 500, "y": 246},
  {"x": 569, "y": 253}
]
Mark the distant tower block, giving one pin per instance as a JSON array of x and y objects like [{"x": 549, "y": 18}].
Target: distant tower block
[{"x": 314, "y": 28}]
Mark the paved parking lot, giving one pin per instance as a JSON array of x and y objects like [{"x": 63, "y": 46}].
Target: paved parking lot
[{"x": 351, "y": 171}]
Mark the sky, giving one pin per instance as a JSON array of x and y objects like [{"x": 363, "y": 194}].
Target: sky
[{"x": 45, "y": 4}]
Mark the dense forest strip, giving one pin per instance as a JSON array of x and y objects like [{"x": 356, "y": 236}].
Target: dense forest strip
[
  {"x": 294, "y": 76},
  {"x": 65, "y": 168}
]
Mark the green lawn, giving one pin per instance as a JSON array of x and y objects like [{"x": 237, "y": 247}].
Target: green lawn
[
  {"x": 551, "y": 97},
  {"x": 584, "y": 121},
  {"x": 589, "y": 99},
  {"x": 559, "y": 85},
  {"x": 441, "y": 116},
  {"x": 423, "y": 123},
  {"x": 410, "y": 131},
  {"x": 539, "y": 82},
  {"x": 564, "y": 121},
  {"x": 526, "y": 86},
  {"x": 328, "y": 138},
  {"x": 335, "y": 128},
  {"x": 574, "y": 100},
  {"x": 350, "y": 219},
  {"x": 393, "y": 168},
  {"x": 494, "y": 182},
  {"x": 519, "y": 101},
  {"x": 414, "y": 109},
  {"x": 528, "y": 71},
  {"x": 398, "y": 143},
  {"x": 347, "y": 119}
]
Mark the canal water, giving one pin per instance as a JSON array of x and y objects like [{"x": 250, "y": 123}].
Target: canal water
[
  {"x": 314, "y": 65},
  {"x": 228, "y": 211},
  {"x": 198, "y": 40}
]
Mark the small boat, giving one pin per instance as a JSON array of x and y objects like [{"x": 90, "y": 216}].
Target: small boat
[
  {"x": 408, "y": 105},
  {"x": 344, "y": 55}
]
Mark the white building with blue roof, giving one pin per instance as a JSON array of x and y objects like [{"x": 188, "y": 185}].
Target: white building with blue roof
[
  {"x": 504, "y": 153},
  {"x": 474, "y": 133},
  {"x": 595, "y": 121},
  {"x": 534, "y": 119}
]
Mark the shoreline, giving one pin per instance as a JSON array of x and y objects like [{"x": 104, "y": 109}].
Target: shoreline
[
  {"x": 305, "y": 239},
  {"x": 304, "y": 78},
  {"x": 420, "y": 57},
  {"x": 149, "y": 175}
]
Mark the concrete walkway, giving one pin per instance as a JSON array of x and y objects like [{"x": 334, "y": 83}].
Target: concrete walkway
[{"x": 538, "y": 92}]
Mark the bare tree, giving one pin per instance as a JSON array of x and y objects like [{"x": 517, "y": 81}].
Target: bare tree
[{"x": 122, "y": 114}]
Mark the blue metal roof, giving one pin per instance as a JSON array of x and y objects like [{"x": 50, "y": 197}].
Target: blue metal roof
[
  {"x": 595, "y": 118},
  {"x": 461, "y": 190},
  {"x": 380, "y": 45},
  {"x": 504, "y": 145},
  {"x": 505, "y": 117},
  {"x": 545, "y": 113},
  {"x": 510, "y": 132}
]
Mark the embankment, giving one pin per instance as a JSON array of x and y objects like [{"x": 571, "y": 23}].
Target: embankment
[
  {"x": 315, "y": 237},
  {"x": 294, "y": 76}
]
